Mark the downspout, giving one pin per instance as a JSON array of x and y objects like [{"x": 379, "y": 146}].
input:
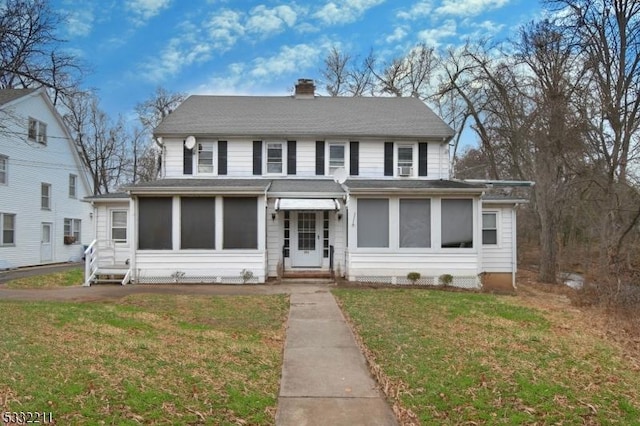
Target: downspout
[
  {"x": 266, "y": 233},
  {"x": 514, "y": 246}
]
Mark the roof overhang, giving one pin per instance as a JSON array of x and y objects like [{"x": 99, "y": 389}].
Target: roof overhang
[
  {"x": 380, "y": 191},
  {"x": 190, "y": 190},
  {"x": 505, "y": 201},
  {"x": 310, "y": 204}
]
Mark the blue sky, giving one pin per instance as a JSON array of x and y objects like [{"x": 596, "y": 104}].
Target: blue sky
[{"x": 257, "y": 47}]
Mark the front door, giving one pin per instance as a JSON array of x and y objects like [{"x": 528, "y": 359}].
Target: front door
[
  {"x": 307, "y": 247},
  {"x": 45, "y": 243}
]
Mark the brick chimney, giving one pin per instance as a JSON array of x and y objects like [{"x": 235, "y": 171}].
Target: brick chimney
[{"x": 305, "y": 89}]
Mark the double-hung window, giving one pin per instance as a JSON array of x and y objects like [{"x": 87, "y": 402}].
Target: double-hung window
[
  {"x": 205, "y": 157},
  {"x": 336, "y": 157},
  {"x": 73, "y": 180},
  {"x": 37, "y": 131},
  {"x": 7, "y": 229},
  {"x": 45, "y": 196},
  {"x": 4, "y": 169},
  {"x": 274, "y": 157},
  {"x": 405, "y": 160},
  {"x": 119, "y": 226},
  {"x": 490, "y": 228},
  {"x": 72, "y": 229}
]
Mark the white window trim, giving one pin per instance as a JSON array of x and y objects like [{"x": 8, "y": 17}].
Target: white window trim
[
  {"x": 111, "y": 212},
  {"x": 72, "y": 225},
  {"x": 214, "y": 157},
  {"x": 327, "y": 156},
  {"x": 5, "y": 160},
  {"x": 73, "y": 178},
  {"x": 2, "y": 243},
  {"x": 39, "y": 138},
  {"x": 414, "y": 158},
  {"x": 265, "y": 158},
  {"x": 498, "y": 230},
  {"x": 49, "y": 195}
]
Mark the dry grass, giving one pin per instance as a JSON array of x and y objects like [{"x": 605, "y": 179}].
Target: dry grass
[
  {"x": 67, "y": 278},
  {"x": 148, "y": 359}
]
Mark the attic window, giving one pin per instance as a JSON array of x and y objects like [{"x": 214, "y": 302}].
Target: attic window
[{"x": 37, "y": 131}]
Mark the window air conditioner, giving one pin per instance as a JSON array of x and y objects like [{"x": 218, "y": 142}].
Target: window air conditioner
[{"x": 405, "y": 171}]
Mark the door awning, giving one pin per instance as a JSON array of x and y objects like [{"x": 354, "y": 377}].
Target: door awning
[{"x": 307, "y": 204}]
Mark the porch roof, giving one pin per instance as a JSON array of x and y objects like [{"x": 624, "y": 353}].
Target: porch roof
[
  {"x": 201, "y": 186},
  {"x": 303, "y": 188},
  {"x": 402, "y": 185},
  {"x": 307, "y": 204}
]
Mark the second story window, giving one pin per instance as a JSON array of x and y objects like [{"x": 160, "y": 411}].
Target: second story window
[
  {"x": 274, "y": 157},
  {"x": 37, "y": 131},
  {"x": 4, "y": 170},
  {"x": 205, "y": 157},
  {"x": 72, "y": 186},
  {"x": 45, "y": 199},
  {"x": 405, "y": 160},
  {"x": 336, "y": 157}
]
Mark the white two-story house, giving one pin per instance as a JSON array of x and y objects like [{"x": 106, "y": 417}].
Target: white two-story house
[
  {"x": 256, "y": 187},
  {"x": 43, "y": 218}
]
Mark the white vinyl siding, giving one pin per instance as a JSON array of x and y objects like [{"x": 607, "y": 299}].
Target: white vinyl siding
[{"x": 499, "y": 257}]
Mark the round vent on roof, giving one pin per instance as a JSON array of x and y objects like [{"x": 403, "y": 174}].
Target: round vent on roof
[{"x": 190, "y": 142}]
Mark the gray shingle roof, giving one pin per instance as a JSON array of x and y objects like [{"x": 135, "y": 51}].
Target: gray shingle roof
[
  {"x": 305, "y": 186},
  {"x": 8, "y": 95},
  {"x": 109, "y": 196},
  {"x": 397, "y": 184},
  {"x": 272, "y": 116},
  {"x": 204, "y": 184}
]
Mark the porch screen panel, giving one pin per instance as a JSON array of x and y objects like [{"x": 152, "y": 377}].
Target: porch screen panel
[
  {"x": 197, "y": 223},
  {"x": 373, "y": 222},
  {"x": 457, "y": 223},
  {"x": 415, "y": 223},
  {"x": 154, "y": 223},
  {"x": 240, "y": 223}
]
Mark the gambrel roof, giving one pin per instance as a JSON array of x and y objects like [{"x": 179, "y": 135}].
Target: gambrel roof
[{"x": 286, "y": 117}]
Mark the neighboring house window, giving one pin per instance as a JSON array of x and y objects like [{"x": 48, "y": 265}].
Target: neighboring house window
[
  {"x": 72, "y": 229},
  {"x": 373, "y": 222},
  {"x": 274, "y": 157},
  {"x": 415, "y": 222},
  {"x": 154, "y": 223},
  {"x": 72, "y": 186},
  {"x": 119, "y": 226},
  {"x": 198, "y": 223},
  {"x": 45, "y": 200},
  {"x": 457, "y": 223},
  {"x": 240, "y": 223},
  {"x": 336, "y": 157},
  {"x": 490, "y": 228},
  {"x": 8, "y": 228},
  {"x": 4, "y": 169},
  {"x": 205, "y": 157},
  {"x": 37, "y": 131},
  {"x": 405, "y": 160}
]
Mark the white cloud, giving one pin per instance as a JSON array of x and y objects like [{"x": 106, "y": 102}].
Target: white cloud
[
  {"x": 290, "y": 58},
  {"x": 146, "y": 9},
  {"x": 344, "y": 11},
  {"x": 225, "y": 27},
  {"x": 468, "y": 7},
  {"x": 433, "y": 36},
  {"x": 80, "y": 22},
  {"x": 179, "y": 53},
  {"x": 399, "y": 33},
  {"x": 419, "y": 10},
  {"x": 270, "y": 21}
]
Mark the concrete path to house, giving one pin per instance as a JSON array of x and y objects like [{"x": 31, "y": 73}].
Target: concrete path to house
[{"x": 325, "y": 380}]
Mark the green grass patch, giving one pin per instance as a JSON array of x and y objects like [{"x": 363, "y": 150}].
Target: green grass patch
[
  {"x": 67, "y": 278},
  {"x": 151, "y": 359},
  {"x": 463, "y": 358}
]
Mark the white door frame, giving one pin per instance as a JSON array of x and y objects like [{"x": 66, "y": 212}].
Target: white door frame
[
  {"x": 309, "y": 258},
  {"x": 46, "y": 247}
]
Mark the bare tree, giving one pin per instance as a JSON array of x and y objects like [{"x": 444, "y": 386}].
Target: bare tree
[
  {"x": 158, "y": 106},
  {"x": 335, "y": 72},
  {"x": 31, "y": 53}
]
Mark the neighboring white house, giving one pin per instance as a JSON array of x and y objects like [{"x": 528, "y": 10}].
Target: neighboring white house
[
  {"x": 257, "y": 187},
  {"x": 43, "y": 218}
]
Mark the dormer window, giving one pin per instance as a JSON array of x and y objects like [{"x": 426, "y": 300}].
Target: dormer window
[
  {"x": 405, "y": 160},
  {"x": 274, "y": 157},
  {"x": 37, "y": 131},
  {"x": 205, "y": 157}
]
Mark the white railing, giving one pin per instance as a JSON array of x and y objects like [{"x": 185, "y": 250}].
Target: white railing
[
  {"x": 127, "y": 277},
  {"x": 90, "y": 262}
]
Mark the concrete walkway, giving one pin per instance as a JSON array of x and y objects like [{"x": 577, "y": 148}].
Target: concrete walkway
[{"x": 325, "y": 380}]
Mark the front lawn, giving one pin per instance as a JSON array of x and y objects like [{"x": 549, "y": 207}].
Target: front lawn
[
  {"x": 70, "y": 277},
  {"x": 459, "y": 358},
  {"x": 151, "y": 359}
]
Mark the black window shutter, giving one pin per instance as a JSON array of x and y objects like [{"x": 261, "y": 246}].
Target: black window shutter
[
  {"x": 354, "y": 159},
  {"x": 187, "y": 160},
  {"x": 257, "y": 157},
  {"x": 388, "y": 158},
  {"x": 422, "y": 159},
  {"x": 291, "y": 157},
  {"x": 319, "y": 158},
  {"x": 222, "y": 157}
]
